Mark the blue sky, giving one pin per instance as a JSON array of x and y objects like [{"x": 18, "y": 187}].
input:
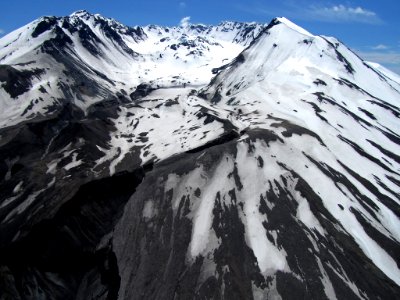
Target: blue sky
[{"x": 370, "y": 27}]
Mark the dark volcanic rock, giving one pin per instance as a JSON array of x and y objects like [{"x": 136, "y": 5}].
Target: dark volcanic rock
[
  {"x": 142, "y": 90},
  {"x": 46, "y": 24},
  {"x": 16, "y": 82}
]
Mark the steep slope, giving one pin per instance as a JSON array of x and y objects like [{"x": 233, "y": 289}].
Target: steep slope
[
  {"x": 277, "y": 180},
  {"x": 340, "y": 118}
]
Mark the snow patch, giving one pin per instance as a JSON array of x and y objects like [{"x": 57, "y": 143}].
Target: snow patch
[
  {"x": 203, "y": 216},
  {"x": 74, "y": 163}
]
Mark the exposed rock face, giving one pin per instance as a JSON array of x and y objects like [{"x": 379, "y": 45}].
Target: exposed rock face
[{"x": 121, "y": 178}]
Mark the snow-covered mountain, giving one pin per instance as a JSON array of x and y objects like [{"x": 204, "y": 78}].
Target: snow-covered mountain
[
  {"x": 89, "y": 58},
  {"x": 238, "y": 161}
]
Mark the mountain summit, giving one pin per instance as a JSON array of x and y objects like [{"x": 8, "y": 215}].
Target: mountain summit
[{"x": 236, "y": 161}]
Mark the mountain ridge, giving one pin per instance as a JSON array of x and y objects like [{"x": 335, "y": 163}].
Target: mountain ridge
[{"x": 83, "y": 39}]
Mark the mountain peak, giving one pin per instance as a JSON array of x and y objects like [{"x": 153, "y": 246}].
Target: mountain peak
[
  {"x": 80, "y": 13},
  {"x": 293, "y": 26}
]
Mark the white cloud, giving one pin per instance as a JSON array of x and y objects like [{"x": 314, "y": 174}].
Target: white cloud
[
  {"x": 185, "y": 22},
  {"x": 390, "y": 60},
  {"x": 182, "y": 4},
  {"x": 2, "y": 31},
  {"x": 380, "y": 47},
  {"x": 341, "y": 9},
  {"x": 343, "y": 13},
  {"x": 301, "y": 10}
]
